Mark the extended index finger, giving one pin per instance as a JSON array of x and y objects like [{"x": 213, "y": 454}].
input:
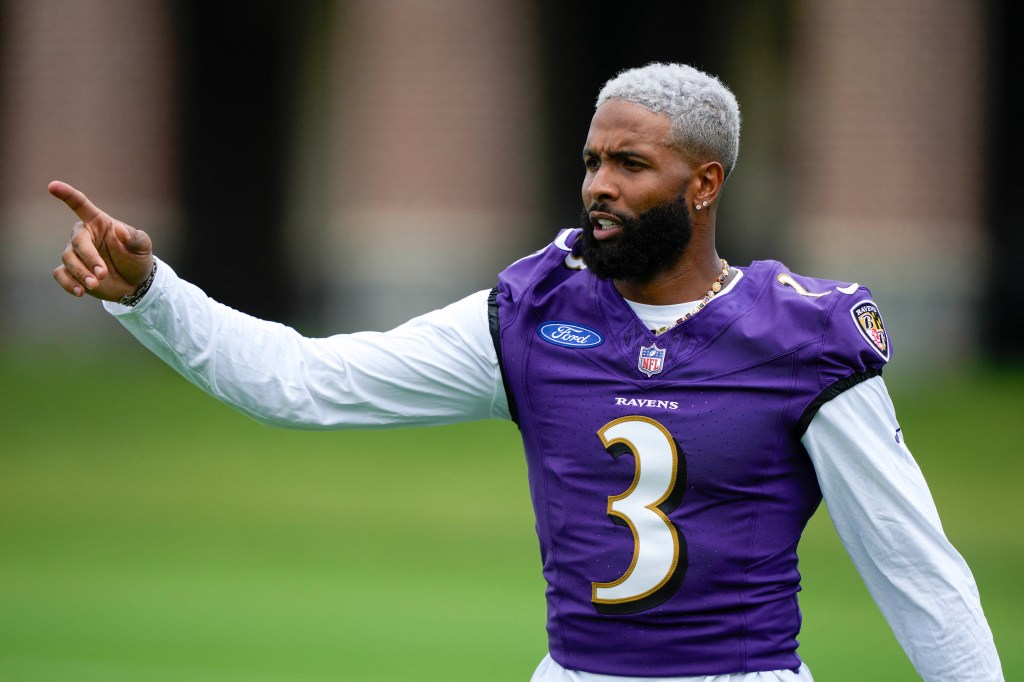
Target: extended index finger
[{"x": 75, "y": 200}]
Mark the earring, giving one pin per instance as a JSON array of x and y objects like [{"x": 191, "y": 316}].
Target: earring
[
  {"x": 705, "y": 204},
  {"x": 697, "y": 205}
]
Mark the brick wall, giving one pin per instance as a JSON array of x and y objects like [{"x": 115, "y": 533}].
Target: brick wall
[
  {"x": 888, "y": 175},
  {"x": 88, "y": 97}
]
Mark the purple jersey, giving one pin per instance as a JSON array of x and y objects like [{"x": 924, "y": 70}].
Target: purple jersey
[{"x": 667, "y": 475}]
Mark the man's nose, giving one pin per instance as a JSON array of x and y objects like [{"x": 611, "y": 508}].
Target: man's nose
[{"x": 601, "y": 186}]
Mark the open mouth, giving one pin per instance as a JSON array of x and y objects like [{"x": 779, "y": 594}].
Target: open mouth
[{"x": 605, "y": 225}]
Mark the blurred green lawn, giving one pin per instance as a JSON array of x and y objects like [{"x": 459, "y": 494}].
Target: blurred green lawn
[{"x": 149, "y": 533}]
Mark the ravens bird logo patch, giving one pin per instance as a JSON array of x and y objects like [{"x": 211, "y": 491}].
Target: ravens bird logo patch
[{"x": 869, "y": 323}]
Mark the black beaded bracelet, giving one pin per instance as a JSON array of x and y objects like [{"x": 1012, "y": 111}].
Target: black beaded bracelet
[{"x": 132, "y": 299}]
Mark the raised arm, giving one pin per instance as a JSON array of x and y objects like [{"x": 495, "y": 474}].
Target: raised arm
[
  {"x": 105, "y": 258},
  {"x": 438, "y": 368}
]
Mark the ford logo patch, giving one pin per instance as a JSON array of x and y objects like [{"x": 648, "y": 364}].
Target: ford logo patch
[{"x": 569, "y": 335}]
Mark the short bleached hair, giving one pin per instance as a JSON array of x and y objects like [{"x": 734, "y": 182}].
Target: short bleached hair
[{"x": 704, "y": 113}]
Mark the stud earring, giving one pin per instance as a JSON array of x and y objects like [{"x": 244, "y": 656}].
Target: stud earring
[
  {"x": 705, "y": 204},
  {"x": 697, "y": 205}
]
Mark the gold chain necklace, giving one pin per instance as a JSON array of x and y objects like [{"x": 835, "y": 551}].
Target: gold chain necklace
[{"x": 716, "y": 286}]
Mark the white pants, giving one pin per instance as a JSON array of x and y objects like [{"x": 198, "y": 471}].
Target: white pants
[{"x": 549, "y": 671}]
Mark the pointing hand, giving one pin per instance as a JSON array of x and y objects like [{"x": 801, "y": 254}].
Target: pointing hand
[{"x": 105, "y": 258}]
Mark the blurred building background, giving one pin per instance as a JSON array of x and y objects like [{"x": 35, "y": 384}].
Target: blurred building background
[{"x": 347, "y": 165}]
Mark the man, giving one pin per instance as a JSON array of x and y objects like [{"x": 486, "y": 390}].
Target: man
[{"x": 681, "y": 417}]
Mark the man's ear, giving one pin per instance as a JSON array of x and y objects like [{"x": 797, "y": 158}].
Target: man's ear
[{"x": 707, "y": 181}]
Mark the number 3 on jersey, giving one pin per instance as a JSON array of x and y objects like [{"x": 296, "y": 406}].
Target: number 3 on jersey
[{"x": 659, "y": 549}]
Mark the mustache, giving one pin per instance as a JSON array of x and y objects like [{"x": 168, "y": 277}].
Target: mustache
[{"x": 605, "y": 208}]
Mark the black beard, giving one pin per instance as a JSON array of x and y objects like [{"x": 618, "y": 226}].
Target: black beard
[{"x": 647, "y": 245}]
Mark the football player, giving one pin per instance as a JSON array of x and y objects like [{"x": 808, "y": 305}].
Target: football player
[{"x": 682, "y": 417}]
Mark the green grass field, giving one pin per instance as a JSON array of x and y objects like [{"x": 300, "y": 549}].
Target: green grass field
[{"x": 149, "y": 533}]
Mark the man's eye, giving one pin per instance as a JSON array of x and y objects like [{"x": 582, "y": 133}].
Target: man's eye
[
  {"x": 631, "y": 164},
  {"x": 592, "y": 163}
]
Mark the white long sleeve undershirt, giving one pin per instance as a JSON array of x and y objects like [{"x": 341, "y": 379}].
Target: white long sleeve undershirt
[{"x": 442, "y": 368}]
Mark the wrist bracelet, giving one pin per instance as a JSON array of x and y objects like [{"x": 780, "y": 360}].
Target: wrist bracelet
[{"x": 131, "y": 299}]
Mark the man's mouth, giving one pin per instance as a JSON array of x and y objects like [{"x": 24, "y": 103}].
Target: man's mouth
[{"x": 605, "y": 225}]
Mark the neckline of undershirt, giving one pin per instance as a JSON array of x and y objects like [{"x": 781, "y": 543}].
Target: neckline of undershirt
[{"x": 657, "y": 316}]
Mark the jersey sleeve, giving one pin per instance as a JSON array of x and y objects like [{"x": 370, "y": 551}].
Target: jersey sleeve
[
  {"x": 438, "y": 368},
  {"x": 853, "y": 346},
  {"x": 886, "y": 518},
  {"x": 855, "y": 338}
]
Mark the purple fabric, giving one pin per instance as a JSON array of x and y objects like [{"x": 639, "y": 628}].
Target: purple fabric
[{"x": 730, "y": 387}]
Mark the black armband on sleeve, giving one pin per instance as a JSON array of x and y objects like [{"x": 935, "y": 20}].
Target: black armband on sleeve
[{"x": 831, "y": 392}]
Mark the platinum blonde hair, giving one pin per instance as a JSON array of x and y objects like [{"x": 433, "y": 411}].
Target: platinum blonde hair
[{"x": 704, "y": 113}]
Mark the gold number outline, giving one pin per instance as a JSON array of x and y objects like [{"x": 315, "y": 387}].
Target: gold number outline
[{"x": 670, "y": 498}]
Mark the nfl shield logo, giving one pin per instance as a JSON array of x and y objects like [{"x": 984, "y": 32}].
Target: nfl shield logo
[{"x": 652, "y": 359}]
